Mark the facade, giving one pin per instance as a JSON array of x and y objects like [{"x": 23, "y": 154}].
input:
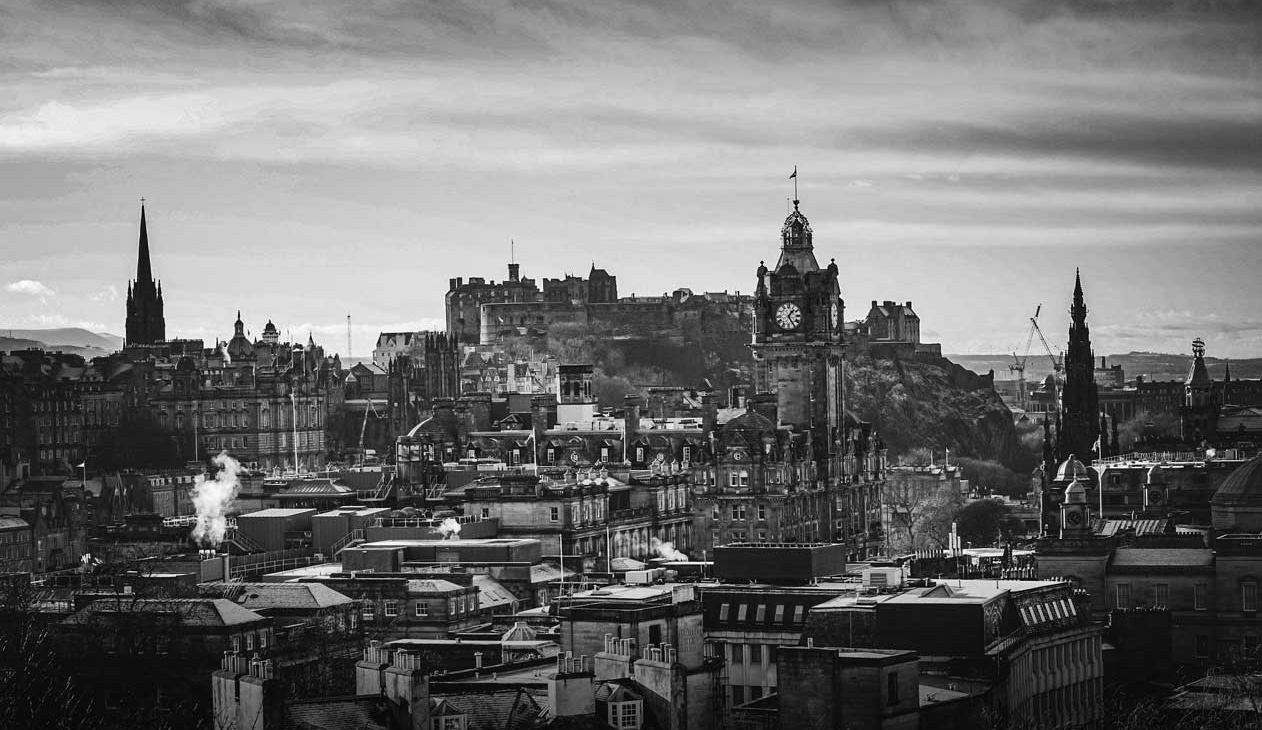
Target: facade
[
  {"x": 145, "y": 322},
  {"x": 893, "y": 322}
]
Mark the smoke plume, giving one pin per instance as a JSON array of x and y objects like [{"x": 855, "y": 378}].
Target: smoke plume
[
  {"x": 212, "y": 498},
  {"x": 450, "y": 529},
  {"x": 666, "y": 549}
]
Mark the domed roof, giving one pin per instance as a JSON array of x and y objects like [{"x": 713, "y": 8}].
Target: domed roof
[
  {"x": 1071, "y": 469},
  {"x": 1245, "y": 481},
  {"x": 796, "y": 221},
  {"x": 1076, "y": 493},
  {"x": 750, "y": 421},
  {"x": 269, "y": 328},
  {"x": 1156, "y": 475}
]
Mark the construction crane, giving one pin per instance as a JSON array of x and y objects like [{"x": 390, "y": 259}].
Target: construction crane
[{"x": 1018, "y": 361}]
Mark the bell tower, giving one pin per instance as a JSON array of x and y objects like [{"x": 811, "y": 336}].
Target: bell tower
[{"x": 797, "y": 341}]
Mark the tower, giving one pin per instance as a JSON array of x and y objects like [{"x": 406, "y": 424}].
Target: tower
[
  {"x": 145, "y": 322},
  {"x": 1199, "y": 410},
  {"x": 797, "y": 341},
  {"x": 1079, "y": 426}
]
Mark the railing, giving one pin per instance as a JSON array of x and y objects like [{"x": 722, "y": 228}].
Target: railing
[
  {"x": 243, "y": 541},
  {"x": 1178, "y": 456},
  {"x": 346, "y": 540}
]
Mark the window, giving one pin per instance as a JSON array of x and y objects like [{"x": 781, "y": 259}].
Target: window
[
  {"x": 249, "y": 642},
  {"x": 370, "y": 612},
  {"x": 604, "y": 453},
  {"x": 1202, "y": 646},
  {"x": 1161, "y": 595},
  {"x": 891, "y": 688},
  {"x": 1199, "y": 595},
  {"x": 762, "y": 536},
  {"x": 655, "y": 634},
  {"x": 236, "y": 643},
  {"x": 760, "y": 614},
  {"x": 263, "y": 639},
  {"x": 554, "y": 514},
  {"x": 742, "y": 612},
  {"x": 779, "y": 614},
  {"x": 1122, "y": 595},
  {"x": 1249, "y": 596},
  {"x": 733, "y": 480},
  {"x": 687, "y": 454},
  {"x": 624, "y": 715},
  {"x": 724, "y": 610},
  {"x": 799, "y": 613},
  {"x": 486, "y": 513},
  {"x": 738, "y": 511},
  {"x": 422, "y": 609},
  {"x": 392, "y": 608},
  {"x": 714, "y": 513},
  {"x": 744, "y": 478},
  {"x": 639, "y": 454},
  {"x": 762, "y": 511}
]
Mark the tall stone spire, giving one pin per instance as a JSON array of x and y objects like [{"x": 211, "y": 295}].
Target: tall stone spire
[
  {"x": 146, "y": 324},
  {"x": 144, "y": 271},
  {"x": 1080, "y": 425}
]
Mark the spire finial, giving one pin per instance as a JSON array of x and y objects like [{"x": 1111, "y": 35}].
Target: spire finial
[
  {"x": 144, "y": 272},
  {"x": 794, "y": 178}
]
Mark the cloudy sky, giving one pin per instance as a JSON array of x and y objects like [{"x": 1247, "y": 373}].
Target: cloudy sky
[{"x": 306, "y": 160}]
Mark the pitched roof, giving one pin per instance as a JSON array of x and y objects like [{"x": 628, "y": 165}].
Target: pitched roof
[
  {"x": 503, "y": 709},
  {"x": 367, "y": 712},
  {"x": 268, "y": 596},
  {"x": 192, "y": 611}
]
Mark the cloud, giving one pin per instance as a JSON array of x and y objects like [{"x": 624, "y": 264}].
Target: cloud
[
  {"x": 108, "y": 293},
  {"x": 29, "y": 287}
]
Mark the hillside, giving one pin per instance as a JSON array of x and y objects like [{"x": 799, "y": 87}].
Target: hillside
[
  {"x": 922, "y": 403},
  {"x": 932, "y": 403},
  {"x": 65, "y": 339}
]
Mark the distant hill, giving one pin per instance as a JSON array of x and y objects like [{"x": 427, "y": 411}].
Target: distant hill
[
  {"x": 65, "y": 339},
  {"x": 1153, "y": 365}
]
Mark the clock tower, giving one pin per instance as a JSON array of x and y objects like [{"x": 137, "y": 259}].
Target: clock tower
[{"x": 798, "y": 345}]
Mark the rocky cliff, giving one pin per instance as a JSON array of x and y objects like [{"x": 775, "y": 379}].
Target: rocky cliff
[{"x": 931, "y": 403}]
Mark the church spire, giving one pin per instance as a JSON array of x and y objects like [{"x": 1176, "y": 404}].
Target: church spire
[
  {"x": 1080, "y": 396},
  {"x": 144, "y": 271}
]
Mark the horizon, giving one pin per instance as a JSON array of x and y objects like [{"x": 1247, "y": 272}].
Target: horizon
[{"x": 305, "y": 162}]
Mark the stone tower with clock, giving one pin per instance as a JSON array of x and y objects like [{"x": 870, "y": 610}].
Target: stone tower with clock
[{"x": 798, "y": 341}]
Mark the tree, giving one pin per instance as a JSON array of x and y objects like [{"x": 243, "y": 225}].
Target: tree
[
  {"x": 983, "y": 522},
  {"x": 915, "y": 510}
]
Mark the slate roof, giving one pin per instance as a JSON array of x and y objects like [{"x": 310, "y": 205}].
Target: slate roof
[
  {"x": 338, "y": 713},
  {"x": 269, "y": 596},
  {"x": 506, "y": 709},
  {"x": 490, "y": 593},
  {"x": 8, "y": 522},
  {"x": 193, "y": 611}
]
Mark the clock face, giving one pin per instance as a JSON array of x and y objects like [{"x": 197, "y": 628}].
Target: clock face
[
  {"x": 788, "y": 316},
  {"x": 1154, "y": 496},
  {"x": 833, "y": 315},
  {"x": 1074, "y": 518}
]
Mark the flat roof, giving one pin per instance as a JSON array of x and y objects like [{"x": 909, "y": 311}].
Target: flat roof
[
  {"x": 309, "y": 571},
  {"x": 279, "y": 512}
]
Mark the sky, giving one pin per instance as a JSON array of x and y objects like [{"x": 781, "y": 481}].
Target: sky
[{"x": 303, "y": 161}]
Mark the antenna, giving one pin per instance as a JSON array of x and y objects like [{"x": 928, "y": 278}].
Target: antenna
[{"x": 348, "y": 337}]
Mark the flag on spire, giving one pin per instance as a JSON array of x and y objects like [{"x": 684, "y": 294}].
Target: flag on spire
[{"x": 795, "y": 173}]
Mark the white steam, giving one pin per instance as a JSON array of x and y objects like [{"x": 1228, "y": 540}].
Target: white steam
[
  {"x": 449, "y": 529},
  {"x": 666, "y": 549},
  {"x": 223, "y": 349},
  {"x": 212, "y": 498}
]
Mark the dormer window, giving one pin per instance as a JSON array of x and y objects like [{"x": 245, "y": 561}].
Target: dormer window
[{"x": 628, "y": 714}]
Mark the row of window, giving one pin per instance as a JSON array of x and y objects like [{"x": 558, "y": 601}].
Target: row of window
[
  {"x": 456, "y": 606},
  {"x": 778, "y": 612},
  {"x": 1122, "y": 596}
]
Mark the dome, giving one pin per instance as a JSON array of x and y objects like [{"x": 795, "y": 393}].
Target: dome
[
  {"x": 1071, "y": 469},
  {"x": 1156, "y": 475},
  {"x": 1245, "y": 481},
  {"x": 749, "y": 421},
  {"x": 1237, "y": 505},
  {"x": 269, "y": 328},
  {"x": 1076, "y": 493}
]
